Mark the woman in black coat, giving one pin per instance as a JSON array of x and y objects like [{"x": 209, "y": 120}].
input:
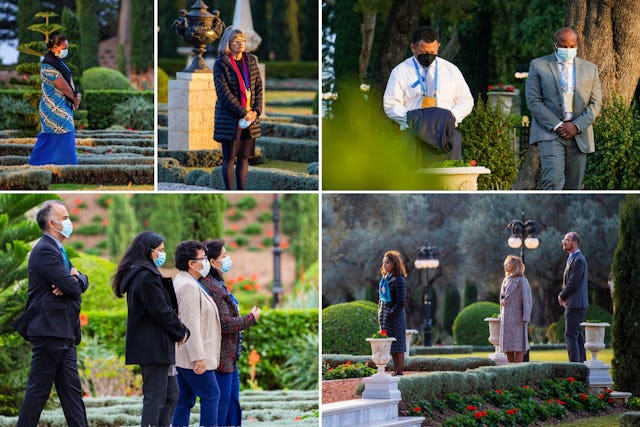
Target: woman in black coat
[
  {"x": 153, "y": 326},
  {"x": 238, "y": 106},
  {"x": 391, "y": 313}
]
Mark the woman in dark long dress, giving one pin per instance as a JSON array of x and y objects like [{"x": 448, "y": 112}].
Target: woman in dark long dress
[
  {"x": 56, "y": 142},
  {"x": 391, "y": 313},
  {"x": 238, "y": 106}
]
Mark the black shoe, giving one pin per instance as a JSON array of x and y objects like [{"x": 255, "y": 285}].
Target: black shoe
[{"x": 395, "y": 374}]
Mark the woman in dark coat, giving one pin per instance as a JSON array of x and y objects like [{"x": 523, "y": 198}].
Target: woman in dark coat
[
  {"x": 153, "y": 326},
  {"x": 231, "y": 323},
  {"x": 238, "y": 105},
  {"x": 391, "y": 313}
]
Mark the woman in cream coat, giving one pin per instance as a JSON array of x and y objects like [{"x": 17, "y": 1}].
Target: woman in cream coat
[
  {"x": 515, "y": 310},
  {"x": 196, "y": 360}
]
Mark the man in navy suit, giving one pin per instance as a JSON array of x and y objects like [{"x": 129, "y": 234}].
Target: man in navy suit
[
  {"x": 574, "y": 297},
  {"x": 51, "y": 321},
  {"x": 564, "y": 97}
]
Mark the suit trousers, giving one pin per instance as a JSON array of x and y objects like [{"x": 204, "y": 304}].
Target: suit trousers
[
  {"x": 573, "y": 334},
  {"x": 563, "y": 164},
  {"x": 229, "y": 410},
  {"x": 53, "y": 360},
  {"x": 160, "y": 391}
]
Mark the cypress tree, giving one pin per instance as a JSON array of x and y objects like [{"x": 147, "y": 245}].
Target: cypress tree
[
  {"x": 470, "y": 293},
  {"x": 204, "y": 215},
  {"x": 89, "y": 37},
  {"x": 122, "y": 227},
  {"x": 300, "y": 222},
  {"x": 451, "y": 309},
  {"x": 142, "y": 30},
  {"x": 626, "y": 299},
  {"x": 26, "y": 13}
]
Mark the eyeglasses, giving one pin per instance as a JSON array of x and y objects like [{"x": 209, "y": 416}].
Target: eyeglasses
[{"x": 199, "y": 259}]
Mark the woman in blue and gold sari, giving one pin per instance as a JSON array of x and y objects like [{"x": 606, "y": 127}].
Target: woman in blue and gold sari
[{"x": 56, "y": 141}]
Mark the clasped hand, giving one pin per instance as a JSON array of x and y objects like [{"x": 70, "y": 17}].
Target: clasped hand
[
  {"x": 567, "y": 130},
  {"x": 251, "y": 116}
]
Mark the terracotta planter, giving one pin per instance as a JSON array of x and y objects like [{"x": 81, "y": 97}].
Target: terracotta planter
[
  {"x": 594, "y": 337},
  {"x": 494, "y": 338},
  {"x": 463, "y": 178},
  {"x": 381, "y": 352}
]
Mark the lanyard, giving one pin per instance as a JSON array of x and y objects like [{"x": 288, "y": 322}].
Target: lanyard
[
  {"x": 245, "y": 72},
  {"x": 423, "y": 79},
  {"x": 566, "y": 85}
]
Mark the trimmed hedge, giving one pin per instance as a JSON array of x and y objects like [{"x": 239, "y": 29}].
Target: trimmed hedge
[
  {"x": 436, "y": 385},
  {"x": 445, "y": 349},
  {"x": 88, "y": 159},
  {"x": 32, "y": 179},
  {"x": 312, "y": 168},
  {"x": 174, "y": 174},
  {"x": 100, "y": 104},
  {"x": 274, "y": 69},
  {"x": 270, "y": 179},
  {"x": 417, "y": 363},
  {"x": 346, "y": 326},
  {"x": 194, "y": 158},
  {"x": 102, "y": 78},
  {"x": 81, "y": 174},
  {"x": 292, "y": 150},
  {"x": 630, "y": 419},
  {"x": 469, "y": 326},
  {"x": 289, "y": 130},
  {"x": 303, "y": 119}
]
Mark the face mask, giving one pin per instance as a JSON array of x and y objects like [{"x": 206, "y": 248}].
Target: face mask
[
  {"x": 67, "y": 228},
  {"x": 425, "y": 59},
  {"x": 566, "y": 54},
  {"x": 162, "y": 257},
  {"x": 205, "y": 268},
  {"x": 63, "y": 53},
  {"x": 226, "y": 264}
]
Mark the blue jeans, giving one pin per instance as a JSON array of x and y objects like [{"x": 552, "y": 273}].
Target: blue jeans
[
  {"x": 191, "y": 386},
  {"x": 229, "y": 410}
]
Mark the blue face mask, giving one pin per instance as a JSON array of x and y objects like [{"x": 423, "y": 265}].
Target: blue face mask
[
  {"x": 162, "y": 257},
  {"x": 566, "y": 54},
  {"x": 67, "y": 227},
  {"x": 226, "y": 264}
]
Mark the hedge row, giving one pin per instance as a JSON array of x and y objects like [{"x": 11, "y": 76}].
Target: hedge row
[
  {"x": 274, "y": 69},
  {"x": 80, "y": 174},
  {"x": 270, "y": 179},
  {"x": 25, "y": 150},
  {"x": 435, "y": 385},
  {"x": 444, "y": 349},
  {"x": 303, "y": 119},
  {"x": 289, "y": 130},
  {"x": 109, "y": 133},
  {"x": 88, "y": 159},
  {"x": 414, "y": 363},
  {"x": 204, "y": 158},
  {"x": 88, "y": 142},
  {"x": 292, "y": 150},
  {"x": 25, "y": 180}
]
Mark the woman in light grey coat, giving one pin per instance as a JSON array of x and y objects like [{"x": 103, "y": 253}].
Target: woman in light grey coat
[{"x": 515, "y": 310}]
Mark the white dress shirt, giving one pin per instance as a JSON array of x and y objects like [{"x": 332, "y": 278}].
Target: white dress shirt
[
  {"x": 568, "y": 84},
  {"x": 403, "y": 94}
]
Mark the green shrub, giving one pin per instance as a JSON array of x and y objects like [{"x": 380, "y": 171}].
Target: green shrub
[
  {"x": 613, "y": 166},
  {"x": 134, "y": 113},
  {"x": 270, "y": 180},
  {"x": 163, "y": 86},
  {"x": 30, "y": 179},
  {"x": 16, "y": 113},
  {"x": 194, "y": 176},
  {"x": 246, "y": 203},
  {"x": 90, "y": 229},
  {"x": 101, "y": 104},
  {"x": 630, "y": 419},
  {"x": 241, "y": 240},
  {"x": 102, "y": 78},
  {"x": 486, "y": 139},
  {"x": 348, "y": 370},
  {"x": 345, "y": 327},
  {"x": 291, "y": 69},
  {"x": 593, "y": 312},
  {"x": 194, "y": 158},
  {"x": 469, "y": 326},
  {"x": 451, "y": 308},
  {"x": 252, "y": 229},
  {"x": 171, "y": 174},
  {"x": 289, "y": 130},
  {"x": 312, "y": 168},
  {"x": 265, "y": 216},
  {"x": 292, "y": 150},
  {"x": 300, "y": 370},
  {"x": 171, "y": 65}
]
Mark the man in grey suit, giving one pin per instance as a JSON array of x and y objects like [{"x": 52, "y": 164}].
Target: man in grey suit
[
  {"x": 574, "y": 297},
  {"x": 564, "y": 97}
]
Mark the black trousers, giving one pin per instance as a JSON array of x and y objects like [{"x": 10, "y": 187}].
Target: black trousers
[
  {"x": 160, "y": 391},
  {"x": 53, "y": 360},
  {"x": 573, "y": 334}
]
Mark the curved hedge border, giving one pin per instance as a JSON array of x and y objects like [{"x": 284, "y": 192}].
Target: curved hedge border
[
  {"x": 289, "y": 149},
  {"x": 32, "y": 179},
  {"x": 414, "y": 363},
  {"x": 270, "y": 179}
]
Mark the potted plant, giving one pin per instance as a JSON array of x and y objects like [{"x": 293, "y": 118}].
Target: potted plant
[
  {"x": 455, "y": 175},
  {"x": 494, "y": 338},
  {"x": 380, "y": 350},
  {"x": 502, "y": 96}
]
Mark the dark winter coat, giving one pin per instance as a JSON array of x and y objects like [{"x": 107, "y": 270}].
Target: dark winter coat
[
  {"x": 231, "y": 322},
  {"x": 229, "y": 110},
  {"x": 153, "y": 326},
  {"x": 391, "y": 315}
]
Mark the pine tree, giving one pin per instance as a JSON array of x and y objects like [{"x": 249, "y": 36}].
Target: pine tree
[
  {"x": 122, "y": 228},
  {"x": 16, "y": 233},
  {"x": 626, "y": 299}
]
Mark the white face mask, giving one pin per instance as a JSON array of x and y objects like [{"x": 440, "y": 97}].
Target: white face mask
[
  {"x": 67, "y": 227},
  {"x": 566, "y": 54},
  {"x": 205, "y": 268},
  {"x": 63, "y": 53}
]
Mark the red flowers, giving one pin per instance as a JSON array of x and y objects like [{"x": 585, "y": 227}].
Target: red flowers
[
  {"x": 472, "y": 408},
  {"x": 348, "y": 362},
  {"x": 480, "y": 414},
  {"x": 501, "y": 88},
  {"x": 473, "y": 162},
  {"x": 417, "y": 409},
  {"x": 511, "y": 411},
  {"x": 583, "y": 396},
  {"x": 571, "y": 379},
  {"x": 499, "y": 392},
  {"x": 610, "y": 400}
]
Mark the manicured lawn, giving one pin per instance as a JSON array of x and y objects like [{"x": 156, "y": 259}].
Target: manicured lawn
[
  {"x": 544, "y": 355},
  {"x": 87, "y": 187},
  {"x": 289, "y": 95},
  {"x": 608, "y": 420}
]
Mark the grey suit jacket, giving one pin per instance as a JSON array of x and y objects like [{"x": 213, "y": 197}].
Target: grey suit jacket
[
  {"x": 575, "y": 288},
  {"x": 544, "y": 99}
]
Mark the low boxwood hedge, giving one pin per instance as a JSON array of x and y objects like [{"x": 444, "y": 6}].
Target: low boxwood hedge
[
  {"x": 292, "y": 150},
  {"x": 339, "y": 335},
  {"x": 30, "y": 179},
  {"x": 270, "y": 179}
]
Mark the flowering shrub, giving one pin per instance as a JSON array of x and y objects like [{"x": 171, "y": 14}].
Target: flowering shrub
[
  {"x": 349, "y": 370},
  {"x": 501, "y": 88}
]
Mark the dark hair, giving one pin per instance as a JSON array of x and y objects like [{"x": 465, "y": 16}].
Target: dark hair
[
  {"x": 44, "y": 214},
  {"x": 556, "y": 35},
  {"x": 396, "y": 261},
  {"x": 138, "y": 252},
  {"x": 187, "y": 251},
  {"x": 426, "y": 34},
  {"x": 56, "y": 39},
  {"x": 214, "y": 249},
  {"x": 575, "y": 237}
]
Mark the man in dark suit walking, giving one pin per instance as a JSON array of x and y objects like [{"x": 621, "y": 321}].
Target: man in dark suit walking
[
  {"x": 574, "y": 296},
  {"x": 564, "y": 97},
  {"x": 51, "y": 321}
]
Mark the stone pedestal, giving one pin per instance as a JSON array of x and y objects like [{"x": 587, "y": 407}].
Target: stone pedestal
[
  {"x": 408, "y": 333},
  {"x": 381, "y": 386},
  {"x": 598, "y": 374},
  {"x": 192, "y": 98}
]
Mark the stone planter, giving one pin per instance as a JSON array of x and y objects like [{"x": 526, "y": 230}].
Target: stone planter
[
  {"x": 594, "y": 342},
  {"x": 381, "y": 352},
  {"x": 408, "y": 333},
  {"x": 494, "y": 338},
  {"x": 505, "y": 101},
  {"x": 463, "y": 178}
]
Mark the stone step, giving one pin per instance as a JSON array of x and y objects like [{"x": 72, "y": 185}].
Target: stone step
[{"x": 366, "y": 413}]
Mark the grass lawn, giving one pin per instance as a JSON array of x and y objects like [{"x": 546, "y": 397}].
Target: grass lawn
[
  {"x": 270, "y": 163},
  {"x": 608, "y": 420},
  {"x": 87, "y": 187},
  {"x": 279, "y": 95},
  {"x": 544, "y": 355}
]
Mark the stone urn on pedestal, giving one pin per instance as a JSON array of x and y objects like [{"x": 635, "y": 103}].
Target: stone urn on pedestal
[
  {"x": 599, "y": 376},
  {"x": 381, "y": 385},
  {"x": 494, "y": 338}
]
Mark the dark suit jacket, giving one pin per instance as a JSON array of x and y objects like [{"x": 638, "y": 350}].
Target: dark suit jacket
[
  {"x": 575, "y": 283},
  {"x": 46, "y": 314},
  {"x": 437, "y": 128},
  {"x": 544, "y": 99},
  {"x": 153, "y": 326}
]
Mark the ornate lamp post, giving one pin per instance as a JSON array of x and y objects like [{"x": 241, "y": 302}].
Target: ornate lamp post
[
  {"x": 199, "y": 28},
  {"x": 427, "y": 259},
  {"x": 277, "y": 284},
  {"x": 523, "y": 234}
]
